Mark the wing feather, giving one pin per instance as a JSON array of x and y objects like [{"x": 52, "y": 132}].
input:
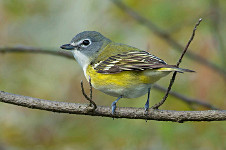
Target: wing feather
[{"x": 127, "y": 61}]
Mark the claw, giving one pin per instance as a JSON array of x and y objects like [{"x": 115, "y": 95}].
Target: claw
[
  {"x": 113, "y": 107},
  {"x": 146, "y": 106}
]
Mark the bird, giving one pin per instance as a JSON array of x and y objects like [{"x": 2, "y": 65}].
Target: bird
[{"x": 117, "y": 69}]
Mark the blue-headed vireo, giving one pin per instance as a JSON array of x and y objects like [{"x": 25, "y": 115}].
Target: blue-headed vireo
[{"x": 117, "y": 69}]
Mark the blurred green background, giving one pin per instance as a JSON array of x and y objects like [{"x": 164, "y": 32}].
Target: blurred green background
[{"x": 49, "y": 24}]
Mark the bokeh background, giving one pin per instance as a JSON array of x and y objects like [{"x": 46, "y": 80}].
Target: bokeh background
[{"x": 49, "y": 24}]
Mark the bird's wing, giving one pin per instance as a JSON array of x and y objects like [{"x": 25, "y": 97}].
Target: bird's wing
[{"x": 129, "y": 61}]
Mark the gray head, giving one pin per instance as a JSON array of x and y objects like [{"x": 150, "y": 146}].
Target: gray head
[
  {"x": 86, "y": 45},
  {"x": 87, "y": 42}
]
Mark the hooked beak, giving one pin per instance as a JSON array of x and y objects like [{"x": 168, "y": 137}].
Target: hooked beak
[{"x": 68, "y": 47}]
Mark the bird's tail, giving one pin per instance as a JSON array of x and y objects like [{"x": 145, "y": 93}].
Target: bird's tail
[{"x": 174, "y": 68}]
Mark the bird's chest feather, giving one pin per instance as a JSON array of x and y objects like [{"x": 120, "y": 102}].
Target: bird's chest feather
[
  {"x": 128, "y": 83},
  {"x": 125, "y": 78}
]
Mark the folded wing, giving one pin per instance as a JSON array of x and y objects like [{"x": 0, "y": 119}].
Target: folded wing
[{"x": 130, "y": 61}]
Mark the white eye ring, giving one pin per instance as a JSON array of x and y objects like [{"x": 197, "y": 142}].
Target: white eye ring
[{"x": 85, "y": 42}]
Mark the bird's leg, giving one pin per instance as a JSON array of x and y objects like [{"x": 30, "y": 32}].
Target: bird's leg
[
  {"x": 146, "y": 106},
  {"x": 113, "y": 105}
]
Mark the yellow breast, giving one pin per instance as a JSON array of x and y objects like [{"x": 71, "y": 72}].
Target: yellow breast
[{"x": 124, "y": 79}]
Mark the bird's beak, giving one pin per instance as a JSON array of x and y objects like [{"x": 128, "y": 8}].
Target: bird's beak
[{"x": 68, "y": 47}]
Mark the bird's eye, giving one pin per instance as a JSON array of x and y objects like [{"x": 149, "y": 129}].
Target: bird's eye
[{"x": 86, "y": 42}]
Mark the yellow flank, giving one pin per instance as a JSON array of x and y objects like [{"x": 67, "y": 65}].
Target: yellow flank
[
  {"x": 168, "y": 69},
  {"x": 124, "y": 79}
]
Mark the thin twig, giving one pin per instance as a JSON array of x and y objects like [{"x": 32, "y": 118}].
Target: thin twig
[
  {"x": 88, "y": 98},
  {"x": 122, "y": 112},
  {"x": 26, "y": 49},
  {"x": 90, "y": 89},
  {"x": 164, "y": 35},
  {"x": 189, "y": 42},
  {"x": 156, "y": 106}
]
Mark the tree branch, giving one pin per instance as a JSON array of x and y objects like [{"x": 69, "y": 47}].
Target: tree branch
[
  {"x": 163, "y": 34},
  {"x": 26, "y": 49},
  {"x": 127, "y": 112}
]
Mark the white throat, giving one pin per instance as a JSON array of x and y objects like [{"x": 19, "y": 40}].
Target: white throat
[{"x": 81, "y": 59}]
